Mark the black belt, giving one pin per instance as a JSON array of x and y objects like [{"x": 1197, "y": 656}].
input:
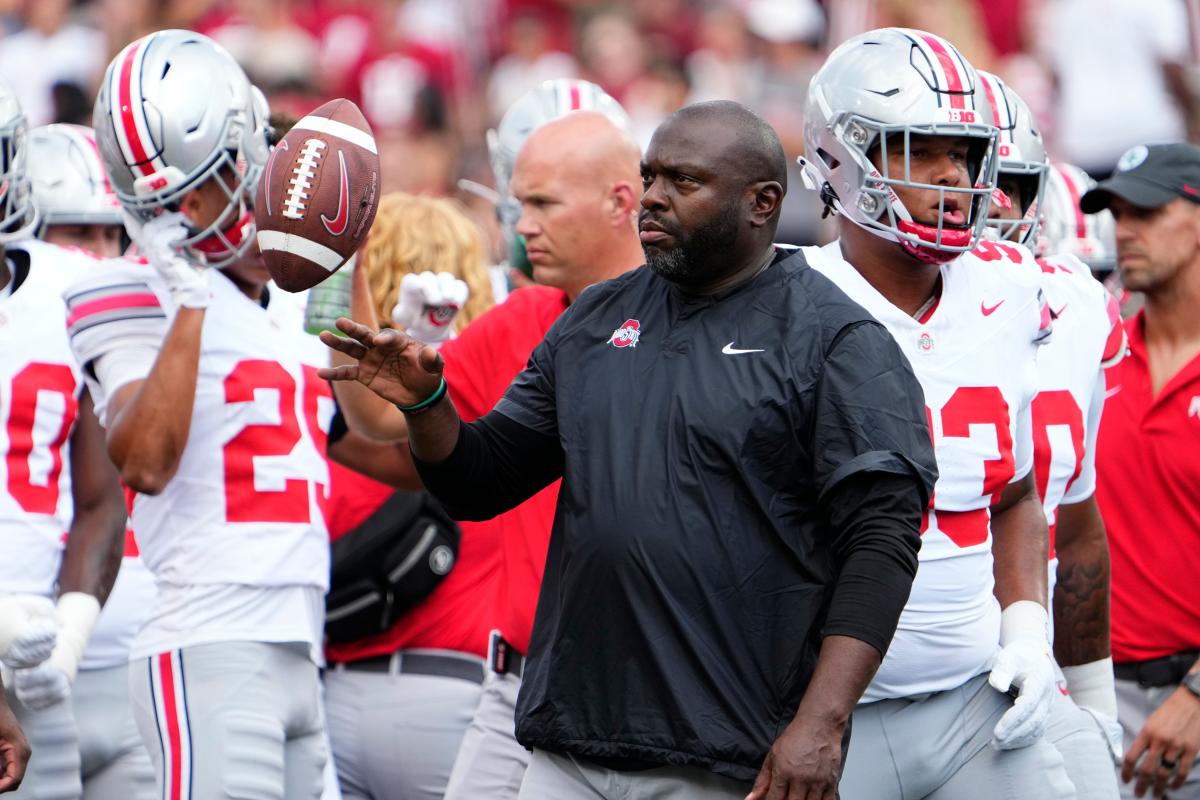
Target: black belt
[
  {"x": 406, "y": 663},
  {"x": 1165, "y": 671},
  {"x": 503, "y": 658}
]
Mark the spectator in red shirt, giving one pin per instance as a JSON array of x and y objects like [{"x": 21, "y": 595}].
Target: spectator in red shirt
[
  {"x": 1148, "y": 468},
  {"x": 398, "y": 702},
  {"x": 577, "y": 181}
]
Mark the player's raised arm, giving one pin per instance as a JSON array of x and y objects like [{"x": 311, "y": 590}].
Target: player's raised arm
[
  {"x": 148, "y": 420},
  {"x": 143, "y": 361}
]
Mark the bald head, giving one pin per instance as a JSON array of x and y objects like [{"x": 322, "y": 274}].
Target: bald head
[
  {"x": 749, "y": 145},
  {"x": 713, "y": 178},
  {"x": 578, "y": 180},
  {"x": 588, "y": 144}
]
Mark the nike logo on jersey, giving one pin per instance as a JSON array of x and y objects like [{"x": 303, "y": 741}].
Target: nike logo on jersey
[
  {"x": 1113, "y": 392},
  {"x": 1059, "y": 313},
  {"x": 730, "y": 350},
  {"x": 337, "y": 225},
  {"x": 987, "y": 312}
]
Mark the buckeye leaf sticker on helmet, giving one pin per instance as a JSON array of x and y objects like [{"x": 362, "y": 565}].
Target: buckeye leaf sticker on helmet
[{"x": 318, "y": 195}]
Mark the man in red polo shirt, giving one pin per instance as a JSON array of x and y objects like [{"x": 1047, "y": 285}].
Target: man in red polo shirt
[
  {"x": 1148, "y": 468},
  {"x": 578, "y": 182}
]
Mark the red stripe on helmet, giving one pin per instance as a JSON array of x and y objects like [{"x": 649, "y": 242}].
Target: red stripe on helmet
[
  {"x": 89, "y": 137},
  {"x": 987, "y": 87},
  {"x": 125, "y": 101},
  {"x": 954, "y": 85},
  {"x": 1073, "y": 190}
]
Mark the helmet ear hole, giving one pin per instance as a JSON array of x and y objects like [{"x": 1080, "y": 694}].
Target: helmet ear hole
[{"x": 828, "y": 158}]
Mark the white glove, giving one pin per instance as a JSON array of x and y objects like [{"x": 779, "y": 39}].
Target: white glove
[
  {"x": 50, "y": 682},
  {"x": 41, "y": 686},
  {"x": 156, "y": 240},
  {"x": 1093, "y": 689},
  {"x": 429, "y": 304},
  {"x": 1024, "y": 662},
  {"x": 28, "y": 630}
]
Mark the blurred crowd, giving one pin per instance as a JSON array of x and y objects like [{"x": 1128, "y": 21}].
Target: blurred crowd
[{"x": 433, "y": 75}]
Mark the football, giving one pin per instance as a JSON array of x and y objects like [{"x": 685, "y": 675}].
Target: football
[{"x": 318, "y": 195}]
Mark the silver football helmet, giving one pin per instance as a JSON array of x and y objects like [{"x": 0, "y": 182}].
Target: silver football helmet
[
  {"x": 68, "y": 178},
  {"x": 18, "y": 211},
  {"x": 174, "y": 111},
  {"x": 1066, "y": 229},
  {"x": 550, "y": 101},
  {"x": 897, "y": 82},
  {"x": 1022, "y": 159}
]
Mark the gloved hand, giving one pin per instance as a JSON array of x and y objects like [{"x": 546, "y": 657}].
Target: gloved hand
[
  {"x": 1092, "y": 687},
  {"x": 42, "y": 686},
  {"x": 50, "y": 682},
  {"x": 1024, "y": 662},
  {"x": 428, "y": 305},
  {"x": 28, "y": 630},
  {"x": 156, "y": 240}
]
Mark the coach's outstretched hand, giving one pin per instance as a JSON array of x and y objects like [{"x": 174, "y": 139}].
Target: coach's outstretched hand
[
  {"x": 805, "y": 762},
  {"x": 398, "y": 368}
]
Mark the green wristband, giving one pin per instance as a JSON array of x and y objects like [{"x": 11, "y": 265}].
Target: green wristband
[{"x": 437, "y": 395}]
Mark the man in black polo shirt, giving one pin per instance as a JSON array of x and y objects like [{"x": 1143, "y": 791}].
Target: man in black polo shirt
[{"x": 745, "y": 460}]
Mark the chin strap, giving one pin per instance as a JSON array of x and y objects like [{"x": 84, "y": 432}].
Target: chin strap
[
  {"x": 954, "y": 237},
  {"x": 224, "y": 243}
]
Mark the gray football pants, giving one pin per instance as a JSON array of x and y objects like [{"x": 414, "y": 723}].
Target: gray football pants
[
  {"x": 939, "y": 747},
  {"x": 552, "y": 776},
  {"x": 490, "y": 763},
  {"x": 115, "y": 763},
  {"x": 231, "y": 720},
  {"x": 1134, "y": 706},
  {"x": 53, "y": 771},
  {"x": 395, "y": 736},
  {"x": 1078, "y": 738}
]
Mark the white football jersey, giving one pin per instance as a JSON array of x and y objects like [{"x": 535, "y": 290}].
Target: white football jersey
[
  {"x": 975, "y": 354},
  {"x": 246, "y": 504},
  {"x": 40, "y": 386},
  {"x": 1088, "y": 338}
]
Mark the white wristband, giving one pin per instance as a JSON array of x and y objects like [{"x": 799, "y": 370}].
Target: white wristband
[
  {"x": 1092, "y": 685},
  {"x": 1024, "y": 619},
  {"x": 77, "y": 614}
]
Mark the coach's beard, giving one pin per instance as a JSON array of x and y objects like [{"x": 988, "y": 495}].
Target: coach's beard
[{"x": 699, "y": 258}]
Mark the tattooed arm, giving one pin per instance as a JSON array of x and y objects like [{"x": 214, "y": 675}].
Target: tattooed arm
[
  {"x": 1081, "y": 594},
  {"x": 1081, "y": 643}
]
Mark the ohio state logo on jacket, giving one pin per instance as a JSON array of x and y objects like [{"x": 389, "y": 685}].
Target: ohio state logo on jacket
[{"x": 627, "y": 335}]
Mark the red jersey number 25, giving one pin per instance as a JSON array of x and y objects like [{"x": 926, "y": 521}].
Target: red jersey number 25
[{"x": 243, "y": 501}]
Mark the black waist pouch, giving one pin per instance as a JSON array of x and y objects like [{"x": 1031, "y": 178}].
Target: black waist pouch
[{"x": 387, "y": 565}]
